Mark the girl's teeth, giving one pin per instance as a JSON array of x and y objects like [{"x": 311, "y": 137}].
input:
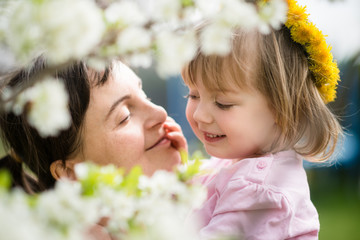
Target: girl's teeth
[{"x": 213, "y": 135}]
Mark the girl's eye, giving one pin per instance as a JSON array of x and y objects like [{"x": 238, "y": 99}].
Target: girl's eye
[
  {"x": 191, "y": 96},
  {"x": 125, "y": 119},
  {"x": 223, "y": 106}
]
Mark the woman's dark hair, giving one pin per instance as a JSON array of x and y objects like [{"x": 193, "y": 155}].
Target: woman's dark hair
[{"x": 27, "y": 147}]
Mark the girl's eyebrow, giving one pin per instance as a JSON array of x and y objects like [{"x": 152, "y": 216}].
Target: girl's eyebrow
[{"x": 116, "y": 103}]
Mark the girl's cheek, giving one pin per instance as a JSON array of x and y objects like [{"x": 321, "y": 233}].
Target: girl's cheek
[{"x": 188, "y": 113}]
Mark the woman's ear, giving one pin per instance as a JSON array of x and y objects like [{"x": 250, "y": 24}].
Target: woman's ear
[{"x": 63, "y": 169}]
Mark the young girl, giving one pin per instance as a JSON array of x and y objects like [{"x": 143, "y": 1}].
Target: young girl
[{"x": 259, "y": 111}]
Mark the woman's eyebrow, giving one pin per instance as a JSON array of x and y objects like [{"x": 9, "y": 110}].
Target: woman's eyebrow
[{"x": 115, "y": 104}]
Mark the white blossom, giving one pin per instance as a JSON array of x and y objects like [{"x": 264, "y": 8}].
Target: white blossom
[
  {"x": 195, "y": 197},
  {"x": 174, "y": 50},
  {"x": 156, "y": 212},
  {"x": 15, "y": 212},
  {"x": 119, "y": 207},
  {"x": 143, "y": 60},
  {"x": 97, "y": 63},
  {"x": 208, "y": 8},
  {"x": 167, "y": 227},
  {"x": 163, "y": 218},
  {"x": 125, "y": 13},
  {"x": 39, "y": 27},
  {"x": 6, "y": 94},
  {"x": 134, "y": 27},
  {"x": 7, "y": 59},
  {"x": 81, "y": 170},
  {"x": 238, "y": 13},
  {"x": 134, "y": 38},
  {"x": 191, "y": 16},
  {"x": 48, "y": 111},
  {"x": 65, "y": 214},
  {"x": 165, "y": 10},
  {"x": 160, "y": 183},
  {"x": 216, "y": 39},
  {"x": 272, "y": 15}
]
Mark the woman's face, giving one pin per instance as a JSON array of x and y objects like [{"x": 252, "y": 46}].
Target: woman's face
[{"x": 123, "y": 127}]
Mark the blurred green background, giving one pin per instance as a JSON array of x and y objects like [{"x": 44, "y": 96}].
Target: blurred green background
[{"x": 335, "y": 190}]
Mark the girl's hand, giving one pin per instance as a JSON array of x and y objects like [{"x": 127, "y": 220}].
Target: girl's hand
[
  {"x": 175, "y": 135},
  {"x": 99, "y": 232}
]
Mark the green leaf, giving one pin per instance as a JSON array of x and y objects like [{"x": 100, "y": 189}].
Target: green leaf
[
  {"x": 131, "y": 181},
  {"x": 110, "y": 176},
  {"x": 5, "y": 179},
  {"x": 184, "y": 157},
  {"x": 187, "y": 3},
  {"x": 197, "y": 155},
  {"x": 32, "y": 200},
  {"x": 90, "y": 182},
  {"x": 192, "y": 166}
]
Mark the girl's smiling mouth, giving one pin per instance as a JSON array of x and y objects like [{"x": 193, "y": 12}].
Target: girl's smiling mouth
[{"x": 209, "y": 137}]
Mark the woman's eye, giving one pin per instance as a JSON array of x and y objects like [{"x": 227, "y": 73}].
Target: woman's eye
[
  {"x": 125, "y": 119},
  {"x": 191, "y": 96},
  {"x": 223, "y": 106}
]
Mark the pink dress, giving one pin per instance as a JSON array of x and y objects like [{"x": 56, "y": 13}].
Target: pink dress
[{"x": 258, "y": 198}]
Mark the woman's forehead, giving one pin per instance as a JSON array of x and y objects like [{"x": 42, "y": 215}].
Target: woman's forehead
[{"x": 124, "y": 73}]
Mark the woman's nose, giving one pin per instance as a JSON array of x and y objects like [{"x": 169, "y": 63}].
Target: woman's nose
[{"x": 155, "y": 115}]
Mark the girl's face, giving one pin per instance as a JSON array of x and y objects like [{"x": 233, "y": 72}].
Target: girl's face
[
  {"x": 123, "y": 127},
  {"x": 234, "y": 125}
]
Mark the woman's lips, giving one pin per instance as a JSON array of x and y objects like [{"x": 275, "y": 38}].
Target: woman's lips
[
  {"x": 209, "y": 137},
  {"x": 163, "y": 141}
]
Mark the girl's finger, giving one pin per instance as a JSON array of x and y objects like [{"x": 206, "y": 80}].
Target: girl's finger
[
  {"x": 177, "y": 140},
  {"x": 172, "y": 127}
]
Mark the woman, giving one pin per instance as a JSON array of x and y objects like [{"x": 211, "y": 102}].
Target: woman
[{"x": 113, "y": 122}]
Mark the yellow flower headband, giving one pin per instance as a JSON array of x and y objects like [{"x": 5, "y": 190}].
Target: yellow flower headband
[{"x": 321, "y": 63}]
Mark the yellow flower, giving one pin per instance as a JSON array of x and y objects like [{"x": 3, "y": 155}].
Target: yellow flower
[
  {"x": 316, "y": 45},
  {"x": 320, "y": 54},
  {"x": 321, "y": 64},
  {"x": 303, "y": 32},
  {"x": 318, "y": 37},
  {"x": 326, "y": 70},
  {"x": 328, "y": 92},
  {"x": 296, "y": 14}
]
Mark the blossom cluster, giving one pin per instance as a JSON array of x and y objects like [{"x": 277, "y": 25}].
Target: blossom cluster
[
  {"x": 135, "y": 30},
  {"x": 134, "y": 206},
  {"x": 47, "y": 101}
]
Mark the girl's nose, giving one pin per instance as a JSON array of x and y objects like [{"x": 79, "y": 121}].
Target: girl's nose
[
  {"x": 202, "y": 114},
  {"x": 155, "y": 115}
]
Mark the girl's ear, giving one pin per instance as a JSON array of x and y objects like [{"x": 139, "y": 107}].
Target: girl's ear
[{"x": 63, "y": 169}]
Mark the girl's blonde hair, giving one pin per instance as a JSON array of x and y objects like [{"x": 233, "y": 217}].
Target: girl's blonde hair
[{"x": 277, "y": 67}]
